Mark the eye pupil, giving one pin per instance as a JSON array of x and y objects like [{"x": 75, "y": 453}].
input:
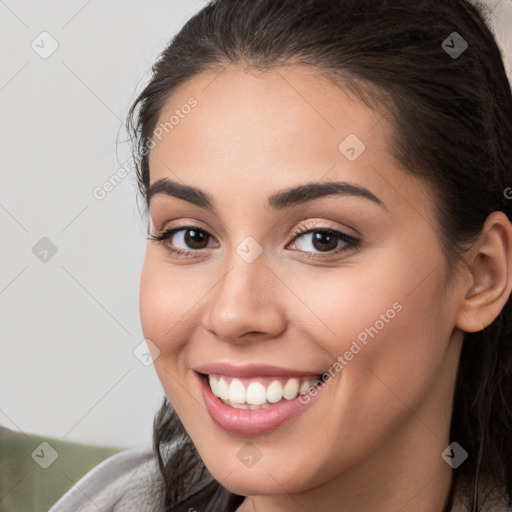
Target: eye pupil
[
  {"x": 196, "y": 237},
  {"x": 323, "y": 238}
]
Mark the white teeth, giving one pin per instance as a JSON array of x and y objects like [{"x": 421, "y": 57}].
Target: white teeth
[
  {"x": 236, "y": 392},
  {"x": 274, "y": 392},
  {"x": 214, "y": 385},
  {"x": 256, "y": 396},
  {"x": 304, "y": 388},
  {"x": 222, "y": 388},
  {"x": 246, "y": 406},
  {"x": 291, "y": 388},
  {"x": 239, "y": 406}
]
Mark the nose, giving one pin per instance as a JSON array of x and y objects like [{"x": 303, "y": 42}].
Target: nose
[{"x": 245, "y": 304}]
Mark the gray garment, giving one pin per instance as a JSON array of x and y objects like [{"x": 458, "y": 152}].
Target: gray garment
[{"x": 129, "y": 481}]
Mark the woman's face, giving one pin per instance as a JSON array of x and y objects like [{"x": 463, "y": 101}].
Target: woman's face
[{"x": 372, "y": 311}]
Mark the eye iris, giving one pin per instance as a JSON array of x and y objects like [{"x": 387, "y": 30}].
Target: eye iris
[
  {"x": 196, "y": 237},
  {"x": 323, "y": 238}
]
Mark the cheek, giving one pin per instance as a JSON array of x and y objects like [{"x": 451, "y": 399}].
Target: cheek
[
  {"x": 167, "y": 298},
  {"x": 387, "y": 338},
  {"x": 388, "y": 324},
  {"x": 154, "y": 297},
  {"x": 161, "y": 305},
  {"x": 353, "y": 303},
  {"x": 170, "y": 301},
  {"x": 394, "y": 353}
]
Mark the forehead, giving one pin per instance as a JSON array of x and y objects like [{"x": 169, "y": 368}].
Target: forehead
[
  {"x": 245, "y": 116},
  {"x": 254, "y": 132}
]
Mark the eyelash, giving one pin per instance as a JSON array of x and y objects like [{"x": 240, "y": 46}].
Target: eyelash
[{"x": 353, "y": 243}]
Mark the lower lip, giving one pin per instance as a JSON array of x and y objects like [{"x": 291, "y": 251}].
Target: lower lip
[{"x": 250, "y": 422}]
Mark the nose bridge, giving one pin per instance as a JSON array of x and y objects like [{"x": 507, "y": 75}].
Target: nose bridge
[{"x": 245, "y": 299}]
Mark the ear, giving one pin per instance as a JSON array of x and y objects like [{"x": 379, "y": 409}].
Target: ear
[{"x": 489, "y": 283}]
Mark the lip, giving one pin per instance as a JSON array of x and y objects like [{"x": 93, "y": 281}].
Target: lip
[
  {"x": 247, "y": 422},
  {"x": 251, "y": 370}
]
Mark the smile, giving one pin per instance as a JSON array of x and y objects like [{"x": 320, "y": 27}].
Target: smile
[
  {"x": 250, "y": 406},
  {"x": 257, "y": 393}
]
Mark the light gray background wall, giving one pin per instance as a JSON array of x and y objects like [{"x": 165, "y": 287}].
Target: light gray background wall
[{"x": 69, "y": 325}]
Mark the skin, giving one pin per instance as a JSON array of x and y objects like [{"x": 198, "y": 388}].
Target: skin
[{"x": 372, "y": 440}]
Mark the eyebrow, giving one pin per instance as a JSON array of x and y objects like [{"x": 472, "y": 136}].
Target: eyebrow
[{"x": 277, "y": 201}]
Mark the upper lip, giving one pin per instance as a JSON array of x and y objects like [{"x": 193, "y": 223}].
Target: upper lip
[{"x": 250, "y": 370}]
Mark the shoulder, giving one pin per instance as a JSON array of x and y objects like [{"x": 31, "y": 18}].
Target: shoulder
[
  {"x": 129, "y": 481},
  {"x": 123, "y": 476}
]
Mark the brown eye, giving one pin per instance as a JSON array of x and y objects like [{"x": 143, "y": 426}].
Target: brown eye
[
  {"x": 323, "y": 241},
  {"x": 327, "y": 240},
  {"x": 195, "y": 238},
  {"x": 183, "y": 241}
]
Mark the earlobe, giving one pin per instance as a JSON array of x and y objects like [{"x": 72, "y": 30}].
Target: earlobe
[{"x": 489, "y": 263}]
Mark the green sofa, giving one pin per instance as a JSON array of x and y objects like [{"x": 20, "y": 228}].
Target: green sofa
[{"x": 35, "y": 471}]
